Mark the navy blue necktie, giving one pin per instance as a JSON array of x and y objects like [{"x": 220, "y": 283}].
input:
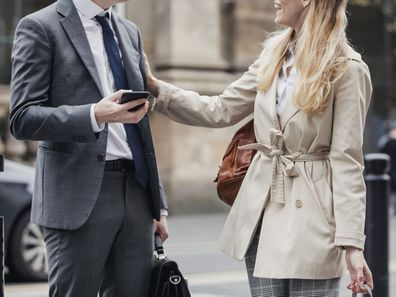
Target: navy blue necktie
[{"x": 121, "y": 82}]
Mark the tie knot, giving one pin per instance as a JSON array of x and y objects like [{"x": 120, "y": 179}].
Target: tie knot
[{"x": 103, "y": 20}]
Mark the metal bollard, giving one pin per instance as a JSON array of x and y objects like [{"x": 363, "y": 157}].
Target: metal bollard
[
  {"x": 1, "y": 241},
  {"x": 377, "y": 243},
  {"x": 1, "y": 256}
]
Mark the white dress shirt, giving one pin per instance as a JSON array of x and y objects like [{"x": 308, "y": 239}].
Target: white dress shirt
[
  {"x": 117, "y": 145},
  {"x": 285, "y": 83}
]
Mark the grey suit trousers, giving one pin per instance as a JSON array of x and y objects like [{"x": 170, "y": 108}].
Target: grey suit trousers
[{"x": 112, "y": 252}]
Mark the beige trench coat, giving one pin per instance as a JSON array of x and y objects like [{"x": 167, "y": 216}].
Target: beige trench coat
[{"x": 305, "y": 185}]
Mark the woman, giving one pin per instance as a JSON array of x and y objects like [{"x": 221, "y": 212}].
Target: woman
[{"x": 302, "y": 202}]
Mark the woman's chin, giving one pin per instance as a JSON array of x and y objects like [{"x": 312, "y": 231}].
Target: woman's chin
[
  {"x": 282, "y": 23},
  {"x": 279, "y": 20}
]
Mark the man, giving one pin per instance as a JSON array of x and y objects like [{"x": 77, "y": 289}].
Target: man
[{"x": 97, "y": 188}]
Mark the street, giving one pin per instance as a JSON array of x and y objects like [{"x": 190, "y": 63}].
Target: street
[{"x": 193, "y": 244}]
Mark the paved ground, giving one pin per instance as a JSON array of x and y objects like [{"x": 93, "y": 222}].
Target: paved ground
[{"x": 209, "y": 272}]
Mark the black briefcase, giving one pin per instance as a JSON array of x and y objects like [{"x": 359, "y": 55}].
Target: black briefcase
[{"x": 166, "y": 279}]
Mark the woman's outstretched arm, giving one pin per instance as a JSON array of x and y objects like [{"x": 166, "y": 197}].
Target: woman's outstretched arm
[{"x": 190, "y": 108}]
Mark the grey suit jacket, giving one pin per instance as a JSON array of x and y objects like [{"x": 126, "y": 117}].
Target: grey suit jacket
[{"x": 54, "y": 82}]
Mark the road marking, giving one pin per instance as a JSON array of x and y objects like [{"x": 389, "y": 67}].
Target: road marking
[
  {"x": 392, "y": 265},
  {"x": 26, "y": 290},
  {"x": 209, "y": 295},
  {"x": 212, "y": 278}
]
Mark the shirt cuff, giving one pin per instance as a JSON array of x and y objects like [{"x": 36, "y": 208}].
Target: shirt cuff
[
  {"x": 164, "y": 212},
  {"x": 95, "y": 127}
]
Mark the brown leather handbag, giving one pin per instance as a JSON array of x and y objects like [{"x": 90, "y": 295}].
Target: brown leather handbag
[{"x": 235, "y": 164}]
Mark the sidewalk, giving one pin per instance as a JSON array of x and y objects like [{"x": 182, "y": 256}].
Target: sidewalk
[{"x": 193, "y": 244}]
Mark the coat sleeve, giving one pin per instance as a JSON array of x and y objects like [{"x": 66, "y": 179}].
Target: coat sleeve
[
  {"x": 31, "y": 115},
  {"x": 351, "y": 102},
  {"x": 188, "y": 107}
]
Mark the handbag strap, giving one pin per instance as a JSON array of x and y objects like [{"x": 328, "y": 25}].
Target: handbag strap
[
  {"x": 369, "y": 291},
  {"x": 159, "y": 250}
]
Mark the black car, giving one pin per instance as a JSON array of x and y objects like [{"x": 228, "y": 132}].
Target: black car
[{"x": 25, "y": 256}]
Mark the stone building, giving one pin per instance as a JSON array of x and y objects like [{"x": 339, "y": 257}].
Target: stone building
[
  {"x": 204, "y": 45},
  {"x": 200, "y": 45}
]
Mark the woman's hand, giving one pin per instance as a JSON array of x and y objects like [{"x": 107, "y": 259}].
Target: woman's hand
[
  {"x": 358, "y": 269},
  {"x": 152, "y": 81}
]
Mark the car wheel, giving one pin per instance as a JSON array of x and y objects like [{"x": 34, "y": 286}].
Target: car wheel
[{"x": 27, "y": 251}]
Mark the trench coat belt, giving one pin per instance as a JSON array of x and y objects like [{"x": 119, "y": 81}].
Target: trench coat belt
[{"x": 282, "y": 165}]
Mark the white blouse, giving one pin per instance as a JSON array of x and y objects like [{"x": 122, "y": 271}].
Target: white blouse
[{"x": 285, "y": 83}]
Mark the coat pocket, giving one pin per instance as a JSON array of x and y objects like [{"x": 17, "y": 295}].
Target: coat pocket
[
  {"x": 325, "y": 199},
  {"x": 319, "y": 178},
  {"x": 59, "y": 147},
  {"x": 324, "y": 194}
]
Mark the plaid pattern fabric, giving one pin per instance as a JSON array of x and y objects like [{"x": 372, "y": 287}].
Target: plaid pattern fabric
[{"x": 268, "y": 287}]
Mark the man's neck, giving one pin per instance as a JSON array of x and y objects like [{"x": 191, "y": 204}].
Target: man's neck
[{"x": 105, "y": 4}]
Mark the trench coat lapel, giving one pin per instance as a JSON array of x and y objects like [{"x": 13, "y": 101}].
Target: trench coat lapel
[
  {"x": 286, "y": 115},
  {"x": 272, "y": 103},
  {"x": 73, "y": 27}
]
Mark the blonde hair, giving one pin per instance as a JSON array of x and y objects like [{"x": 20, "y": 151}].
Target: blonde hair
[{"x": 320, "y": 47}]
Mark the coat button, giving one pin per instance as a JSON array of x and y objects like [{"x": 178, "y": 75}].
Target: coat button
[
  {"x": 299, "y": 203},
  {"x": 101, "y": 157}
]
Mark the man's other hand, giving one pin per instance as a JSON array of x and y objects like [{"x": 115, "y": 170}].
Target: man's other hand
[{"x": 161, "y": 228}]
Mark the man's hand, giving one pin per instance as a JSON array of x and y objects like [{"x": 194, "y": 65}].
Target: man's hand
[
  {"x": 152, "y": 81},
  {"x": 359, "y": 271},
  {"x": 108, "y": 110},
  {"x": 161, "y": 228}
]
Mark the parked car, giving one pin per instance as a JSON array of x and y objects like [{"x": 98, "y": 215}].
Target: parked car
[{"x": 25, "y": 256}]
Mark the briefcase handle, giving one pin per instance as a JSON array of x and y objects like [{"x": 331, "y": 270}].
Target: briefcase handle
[{"x": 159, "y": 251}]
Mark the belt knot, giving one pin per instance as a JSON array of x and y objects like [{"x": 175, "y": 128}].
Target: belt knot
[
  {"x": 282, "y": 165},
  {"x": 276, "y": 152}
]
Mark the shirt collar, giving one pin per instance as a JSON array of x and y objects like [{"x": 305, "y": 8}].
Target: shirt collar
[
  {"x": 289, "y": 61},
  {"x": 90, "y": 9}
]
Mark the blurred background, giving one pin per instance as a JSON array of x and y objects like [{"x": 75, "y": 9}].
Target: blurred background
[{"x": 201, "y": 45}]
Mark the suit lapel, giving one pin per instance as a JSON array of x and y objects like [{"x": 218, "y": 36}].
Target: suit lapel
[
  {"x": 131, "y": 59},
  {"x": 130, "y": 56},
  {"x": 73, "y": 27}
]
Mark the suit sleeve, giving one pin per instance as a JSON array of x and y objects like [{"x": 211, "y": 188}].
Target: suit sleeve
[
  {"x": 352, "y": 98},
  {"x": 188, "y": 107},
  {"x": 32, "y": 117}
]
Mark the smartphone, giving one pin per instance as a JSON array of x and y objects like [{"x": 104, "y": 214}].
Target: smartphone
[{"x": 134, "y": 95}]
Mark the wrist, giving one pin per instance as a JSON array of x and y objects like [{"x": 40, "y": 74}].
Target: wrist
[
  {"x": 153, "y": 86},
  {"x": 351, "y": 249}
]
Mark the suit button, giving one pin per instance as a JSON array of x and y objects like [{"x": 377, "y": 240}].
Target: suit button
[
  {"x": 101, "y": 157},
  {"x": 299, "y": 203}
]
